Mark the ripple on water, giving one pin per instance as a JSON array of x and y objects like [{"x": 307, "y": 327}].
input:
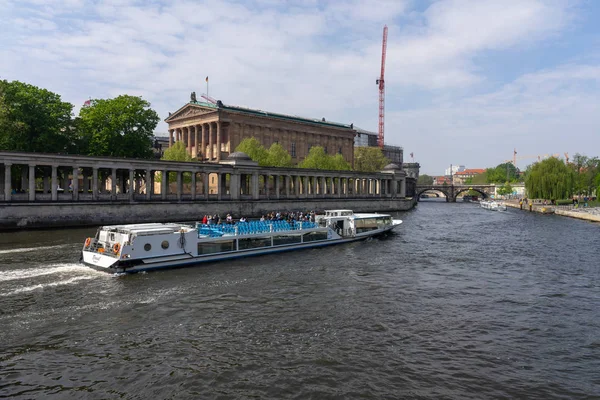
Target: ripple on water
[{"x": 461, "y": 303}]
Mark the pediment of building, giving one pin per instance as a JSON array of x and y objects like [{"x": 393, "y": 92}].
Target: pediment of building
[{"x": 189, "y": 110}]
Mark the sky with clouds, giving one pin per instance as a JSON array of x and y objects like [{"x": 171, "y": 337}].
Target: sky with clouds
[{"x": 467, "y": 81}]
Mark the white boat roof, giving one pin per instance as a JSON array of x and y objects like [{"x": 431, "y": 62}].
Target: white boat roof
[{"x": 147, "y": 229}]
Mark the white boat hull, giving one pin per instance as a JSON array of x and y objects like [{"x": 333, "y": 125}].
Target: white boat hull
[{"x": 116, "y": 263}]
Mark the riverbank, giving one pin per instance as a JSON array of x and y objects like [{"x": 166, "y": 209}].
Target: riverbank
[{"x": 588, "y": 214}]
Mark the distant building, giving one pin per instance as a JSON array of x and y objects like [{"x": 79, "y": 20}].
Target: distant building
[
  {"x": 460, "y": 177},
  {"x": 159, "y": 145},
  {"x": 455, "y": 169},
  {"x": 211, "y": 132},
  {"x": 441, "y": 180},
  {"x": 366, "y": 138}
]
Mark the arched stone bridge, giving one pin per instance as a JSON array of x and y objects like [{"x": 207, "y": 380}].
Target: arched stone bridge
[{"x": 451, "y": 191}]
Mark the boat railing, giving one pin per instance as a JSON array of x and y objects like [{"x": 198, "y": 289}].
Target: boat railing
[{"x": 252, "y": 227}]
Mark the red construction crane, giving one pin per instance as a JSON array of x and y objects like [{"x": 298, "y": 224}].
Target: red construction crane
[{"x": 381, "y": 83}]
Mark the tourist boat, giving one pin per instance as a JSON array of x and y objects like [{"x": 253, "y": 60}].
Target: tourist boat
[
  {"x": 492, "y": 205},
  {"x": 152, "y": 246}
]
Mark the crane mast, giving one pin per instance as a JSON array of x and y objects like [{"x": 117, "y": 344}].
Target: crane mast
[{"x": 381, "y": 83}]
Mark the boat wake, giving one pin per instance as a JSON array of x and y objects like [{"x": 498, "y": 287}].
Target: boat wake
[
  {"x": 46, "y": 285},
  {"x": 28, "y": 249},
  {"x": 69, "y": 269}
]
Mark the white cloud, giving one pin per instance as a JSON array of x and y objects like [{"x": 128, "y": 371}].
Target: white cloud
[{"x": 311, "y": 58}]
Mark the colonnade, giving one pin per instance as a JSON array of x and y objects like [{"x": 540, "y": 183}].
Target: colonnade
[
  {"x": 202, "y": 141},
  {"x": 33, "y": 177}
]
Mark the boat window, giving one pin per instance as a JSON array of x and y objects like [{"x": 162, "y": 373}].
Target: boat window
[
  {"x": 365, "y": 224},
  {"x": 285, "y": 239},
  {"x": 165, "y": 244},
  {"x": 147, "y": 247},
  {"x": 312, "y": 236},
  {"x": 254, "y": 243},
  {"x": 216, "y": 247}
]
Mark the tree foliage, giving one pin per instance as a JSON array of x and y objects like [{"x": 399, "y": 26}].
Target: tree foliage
[
  {"x": 586, "y": 170},
  {"x": 177, "y": 152},
  {"x": 369, "y": 159},
  {"x": 549, "y": 179},
  {"x": 502, "y": 173},
  {"x": 318, "y": 159},
  {"x": 34, "y": 119},
  {"x": 119, "y": 127},
  {"x": 425, "y": 180},
  {"x": 278, "y": 157},
  {"x": 254, "y": 150},
  {"x": 505, "y": 189}
]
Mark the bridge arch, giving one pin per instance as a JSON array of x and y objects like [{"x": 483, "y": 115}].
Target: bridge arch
[
  {"x": 475, "y": 189},
  {"x": 423, "y": 189}
]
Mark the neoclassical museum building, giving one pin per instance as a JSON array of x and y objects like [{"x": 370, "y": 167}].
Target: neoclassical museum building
[{"x": 211, "y": 132}]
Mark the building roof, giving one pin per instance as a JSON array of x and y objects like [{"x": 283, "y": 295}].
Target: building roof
[
  {"x": 269, "y": 114},
  {"x": 474, "y": 171}
]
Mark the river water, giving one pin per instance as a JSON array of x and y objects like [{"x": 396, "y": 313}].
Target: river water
[{"x": 460, "y": 303}]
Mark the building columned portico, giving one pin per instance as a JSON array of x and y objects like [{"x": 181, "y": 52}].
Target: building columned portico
[{"x": 211, "y": 132}]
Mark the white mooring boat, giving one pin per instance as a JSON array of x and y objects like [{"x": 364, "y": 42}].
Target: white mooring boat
[
  {"x": 144, "y": 247},
  {"x": 493, "y": 205}
]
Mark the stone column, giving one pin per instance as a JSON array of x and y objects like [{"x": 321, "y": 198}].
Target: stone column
[
  {"x": 31, "y": 182},
  {"x": 218, "y": 155},
  {"x": 205, "y": 179},
  {"x": 179, "y": 185},
  {"x": 164, "y": 182},
  {"x": 189, "y": 140},
  {"x": 210, "y": 141},
  {"x": 94, "y": 183},
  {"x": 193, "y": 187},
  {"x": 170, "y": 137},
  {"x": 7, "y": 182},
  {"x": 197, "y": 134},
  {"x": 402, "y": 183},
  {"x": 75, "y": 183},
  {"x": 234, "y": 186},
  {"x": 219, "y": 186},
  {"x": 85, "y": 181},
  {"x": 203, "y": 141},
  {"x": 149, "y": 183},
  {"x": 287, "y": 180},
  {"x": 255, "y": 192},
  {"x": 54, "y": 184},
  {"x": 113, "y": 184},
  {"x": 277, "y": 185},
  {"x": 131, "y": 184},
  {"x": 394, "y": 188},
  {"x": 305, "y": 186}
]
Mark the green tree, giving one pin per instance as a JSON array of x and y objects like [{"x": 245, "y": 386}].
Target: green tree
[
  {"x": 34, "y": 119},
  {"x": 119, "y": 127},
  {"x": 549, "y": 179},
  {"x": 480, "y": 179},
  {"x": 369, "y": 159},
  {"x": 254, "y": 150},
  {"x": 338, "y": 163},
  {"x": 425, "y": 180},
  {"x": 318, "y": 159},
  {"x": 177, "y": 152},
  {"x": 502, "y": 173},
  {"x": 505, "y": 189},
  {"x": 585, "y": 170},
  {"x": 278, "y": 157}
]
